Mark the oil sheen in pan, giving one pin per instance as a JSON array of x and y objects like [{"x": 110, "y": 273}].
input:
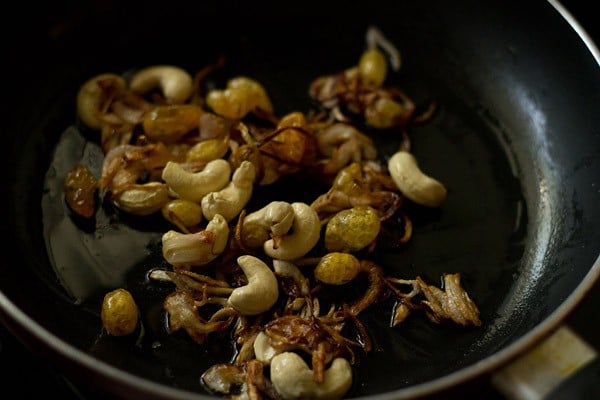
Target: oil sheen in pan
[{"x": 478, "y": 231}]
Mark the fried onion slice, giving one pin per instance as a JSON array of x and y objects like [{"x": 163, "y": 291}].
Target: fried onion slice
[{"x": 453, "y": 303}]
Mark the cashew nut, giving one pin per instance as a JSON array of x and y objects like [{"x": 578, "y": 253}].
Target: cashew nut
[
  {"x": 288, "y": 269},
  {"x": 143, "y": 199},
  {"x": 231, "y": 200},
  {"x": 263, "y": 351},
  {"x": 304, "y": 235},
  {"x": 262, "y": 289},
  {"x": 196, "y": 249},
  {"x": 176, "y": 84},
  {"x": 90, "y": 99},
  {"x": 194, "y": 186},
  {"x": 276, "y": 218},
  {"x": 293, "y": 379},
  {"x": 413, "y": 183}
]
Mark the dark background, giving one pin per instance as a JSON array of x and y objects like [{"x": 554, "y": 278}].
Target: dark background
[{"x": 27, "y": 376}]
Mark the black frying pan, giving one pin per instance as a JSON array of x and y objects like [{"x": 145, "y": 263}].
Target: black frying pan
[{"x": 515, "y": 139}]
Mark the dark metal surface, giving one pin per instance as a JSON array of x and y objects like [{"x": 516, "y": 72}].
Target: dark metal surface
[{"x": 12, "y": 350}]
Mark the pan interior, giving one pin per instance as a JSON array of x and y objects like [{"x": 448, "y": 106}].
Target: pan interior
[{"x": 512, "y": 224}]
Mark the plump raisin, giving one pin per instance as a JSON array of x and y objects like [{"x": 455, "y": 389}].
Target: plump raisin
[{"x": 80, "y": 191}]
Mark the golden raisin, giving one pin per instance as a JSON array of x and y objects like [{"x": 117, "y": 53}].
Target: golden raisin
[
  {"x": 181, "y": 212},
  {"x": 352, "y": 229},
  {"x": 80, "y": 191},
  {"x": 372, "y": 67},
  {"x": 337, "y": 268},
  {"x": 208, "y": 150},
  {"x": 119, "y": 313},
  {"x": 385, "y": 113},
  {"x": 170, "y": 123},
  {"x": 242, "y": 96}
]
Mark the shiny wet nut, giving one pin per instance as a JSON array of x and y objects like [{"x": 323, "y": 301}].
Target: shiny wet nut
[
  {"x": 175, "y": 83},
  {"x": 294, "y": 380},
  {"x": 194, "y": 186},
  {"x": 92, "y": 96},
  {"x": 413, "y": 182},
  {"x": 186, "y": 250},
  {"x": 273, "y": 220},
  {"x": 304, "y": 235},
  {"x": 119, "y": 313},
  {"x": 230, "y": 200},
  {"x": 142, "y": 199},
  {"x": 261, "y": 291}
]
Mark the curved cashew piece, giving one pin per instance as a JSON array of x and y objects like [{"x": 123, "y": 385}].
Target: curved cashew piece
[
  {"x": 262, "y": 289},
  {"x": 89, "y": 98},
  {"x": 176, "y": 83},
  {"x": 143, "y": 199},
  {"x": 304, "y": 235},
  {"x": 196, "y": 249},
  {"x": 293, "y": 379},
  {"x": 413, "y": 183},
  {"x": 231, "y": 200},
  {"x": 275, "y": 218},
  {"x": 194, "y": 186},
  {"x": 263, "y": 351}
]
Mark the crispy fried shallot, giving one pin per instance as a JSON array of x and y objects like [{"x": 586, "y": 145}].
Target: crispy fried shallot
[
  {"x": 452, "y": 303},
  {"x": 182, "y": 309}
]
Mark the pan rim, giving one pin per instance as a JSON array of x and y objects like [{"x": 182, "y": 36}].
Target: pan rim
[
  {"x": 129, "y": 382},
  {"x": 581, "y": 32}
]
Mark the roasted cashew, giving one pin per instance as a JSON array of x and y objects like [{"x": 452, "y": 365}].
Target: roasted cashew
[
  {"x": 288, "y": 269},
  {"x": 293, "y": 379},
  {"x": 413, "y": 183},
  {"x": 276, "y": 218},
  {"x": 196, "y": 249},
  {"x": 194, "y": 186},
  {"x": 143, "y": 199},
  {"x": 89, "y": 98},
  {"x": 263, "y": 351},
  {"x": 231, "y": 200},
  {"x": 304, "y": 235},
  {"x": 262, "y": 289},
  {"x": 176, "y": 83}
]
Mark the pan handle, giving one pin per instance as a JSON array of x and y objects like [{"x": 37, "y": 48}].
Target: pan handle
[{"x": 559, "y": 367}]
